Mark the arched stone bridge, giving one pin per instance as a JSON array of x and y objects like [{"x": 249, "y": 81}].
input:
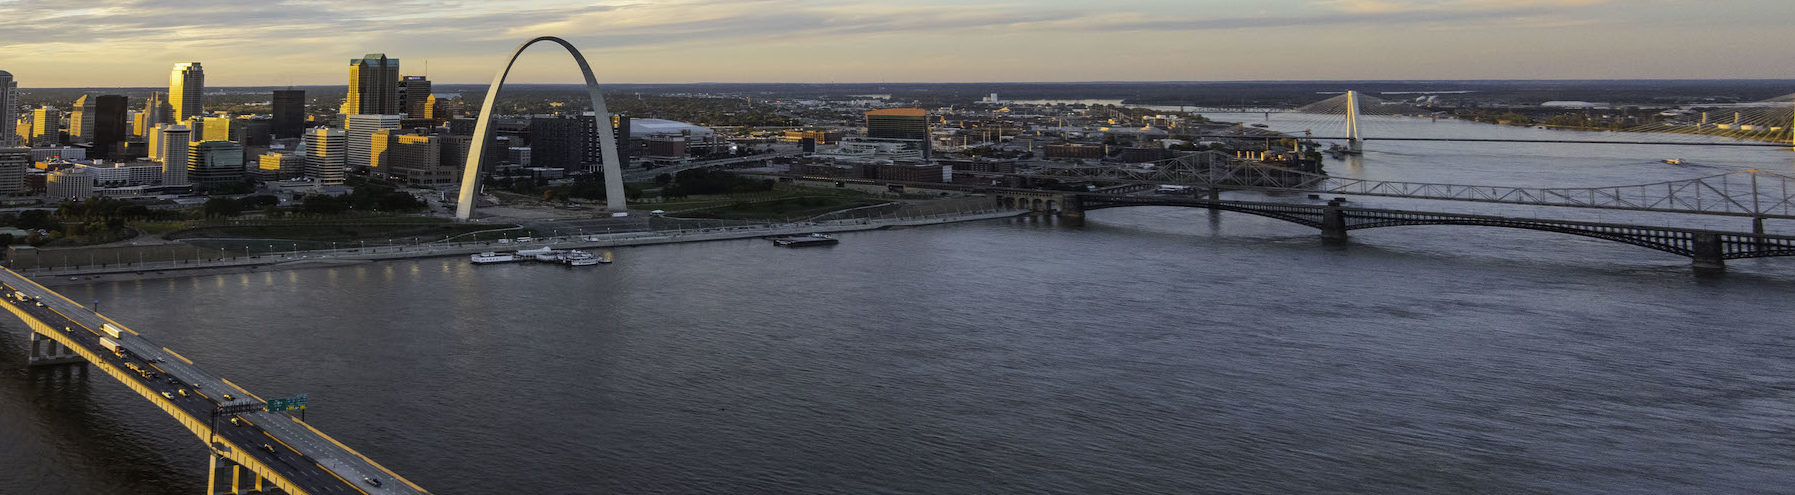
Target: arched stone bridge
[{"x": 1706, "y": 248}]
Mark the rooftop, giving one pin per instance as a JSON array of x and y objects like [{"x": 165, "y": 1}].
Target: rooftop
[{"x": 898, "y": 112}]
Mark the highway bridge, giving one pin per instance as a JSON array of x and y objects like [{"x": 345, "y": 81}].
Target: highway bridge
[
  {"x": 253, "y": 450},
  {"x": 1706, "y": 249}
]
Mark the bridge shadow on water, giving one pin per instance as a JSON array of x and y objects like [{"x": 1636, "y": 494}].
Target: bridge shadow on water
[{"x": 85, "y": 430}]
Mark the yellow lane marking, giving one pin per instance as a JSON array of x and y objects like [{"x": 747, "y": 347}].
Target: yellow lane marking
[
  {"x": 371, "y": 462},
  {"x": 277, "y": 440},
  {"x": 241, "y": 389},
  {"x": 340, "y": 478},
  {"x": 177, "y": 355}
]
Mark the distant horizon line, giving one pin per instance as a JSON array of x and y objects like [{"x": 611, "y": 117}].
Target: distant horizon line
[{"x": 1238, "y": 81}]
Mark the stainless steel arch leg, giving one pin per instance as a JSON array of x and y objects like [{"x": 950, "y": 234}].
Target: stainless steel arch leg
[{"x": 471, "y": 172}]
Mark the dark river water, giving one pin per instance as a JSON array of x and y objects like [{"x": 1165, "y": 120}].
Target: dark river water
[{"x": 1150, "y": 350}]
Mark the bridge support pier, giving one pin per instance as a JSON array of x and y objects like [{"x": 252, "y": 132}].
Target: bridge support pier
[
  {"x": 1333, "y": 223},
  {"x": 47, "y": 352},
  {"x": 229, "y": 478},
  {"x": 1709, "y": 255},
  {"x": 1071, "y": 207}
]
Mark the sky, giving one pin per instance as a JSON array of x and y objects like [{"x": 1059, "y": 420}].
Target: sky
[{"x": 87, "y": 43}]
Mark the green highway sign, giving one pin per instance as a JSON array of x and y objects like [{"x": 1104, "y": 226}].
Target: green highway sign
[{"x": 287, "y": 403}]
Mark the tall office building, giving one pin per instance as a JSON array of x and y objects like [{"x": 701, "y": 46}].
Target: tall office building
[
  {"x": 289, "y": 113},
  {"x": 359, "y": 132},
  {"x": 215, "y": 162},
  {"x": 158, "y": 110},
  {"x": 374, "y": 85},
  {"x": 571, "y": 143},
  {"x": 46, "y": 127},
  {"x": 9, "y": 110},
  {"x": 325, "y": 151},
  {"x": 172, "y": 148},
  {"x": 910, "y": 124},
  {"x": 107, "y": 126},
  {"x": 81, "y": 120},
  {"x": 186, "y": 90},
  {"x": 152, "y": 142},
  {"x": 13, "y": 162},
  {"x": 422, "y": 160},
  {"x": 558, "y": 142},
  {"x": 414, "y": 97},
  {"x": 213, "y": 129}
]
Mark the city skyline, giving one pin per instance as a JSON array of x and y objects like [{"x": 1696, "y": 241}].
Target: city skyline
[{"x": 303, "y": 42}]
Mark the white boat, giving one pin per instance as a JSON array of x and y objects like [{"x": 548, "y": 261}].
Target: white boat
[
  {"x": 492, "y": 257},
  {"x": 550, "y": 256},
  {"x": 582, "y": 258},
  {"x": 532, "y": 252}
]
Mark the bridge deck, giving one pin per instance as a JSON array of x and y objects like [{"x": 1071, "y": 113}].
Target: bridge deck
[{"x": 302, "y": 461}]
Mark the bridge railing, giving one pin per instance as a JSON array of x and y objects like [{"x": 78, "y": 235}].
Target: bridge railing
[{"x": 1752, "y": 193}]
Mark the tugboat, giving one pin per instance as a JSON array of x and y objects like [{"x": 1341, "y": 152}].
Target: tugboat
[
  {"x": 805, "y": 241},
  {"x": 492, "y": 257}
]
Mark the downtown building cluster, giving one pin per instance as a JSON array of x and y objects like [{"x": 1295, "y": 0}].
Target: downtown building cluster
[{"x": 389, "y": 126}]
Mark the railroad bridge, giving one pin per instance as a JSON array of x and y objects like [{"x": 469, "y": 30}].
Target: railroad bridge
[{"x": 1707, "y": 249}]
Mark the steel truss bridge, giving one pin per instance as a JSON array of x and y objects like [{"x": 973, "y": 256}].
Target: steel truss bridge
[
  {"x": 1708, "y": 249},
  {"x": 1751, "y": 193}
]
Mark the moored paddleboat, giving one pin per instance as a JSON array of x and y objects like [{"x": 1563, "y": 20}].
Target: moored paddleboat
[{"x": 492, "y": 257}]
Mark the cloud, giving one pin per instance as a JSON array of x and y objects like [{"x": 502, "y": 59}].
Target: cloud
[
  {"x": 1394, "y": 6},
  {"x": 309, "y": 41}
]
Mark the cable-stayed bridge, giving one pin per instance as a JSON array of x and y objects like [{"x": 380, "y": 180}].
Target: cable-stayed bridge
[{"x": 1354, "y": 118}]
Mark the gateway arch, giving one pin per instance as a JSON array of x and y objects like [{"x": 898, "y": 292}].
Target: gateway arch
[{"x": 607, "y": 141}]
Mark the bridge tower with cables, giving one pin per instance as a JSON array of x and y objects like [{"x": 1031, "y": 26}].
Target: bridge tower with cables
[{"x": 1355, "y": 142}]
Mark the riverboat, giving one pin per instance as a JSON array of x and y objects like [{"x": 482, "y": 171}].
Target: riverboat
[
  {"x": 805, "y": 241},
  {"x": 492, "y": 257}
]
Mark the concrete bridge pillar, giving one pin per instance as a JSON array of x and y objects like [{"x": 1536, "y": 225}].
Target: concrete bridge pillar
[
  {"x": 1071, "y": 206},
  {"x": 46, "y": 351},
  {"x": 228, "y": 477},
  {"x": 1708, "y": 252},
  {"x": 1333, "y": 223}
]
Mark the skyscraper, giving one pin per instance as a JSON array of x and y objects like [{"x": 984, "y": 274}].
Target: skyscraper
[
  {"x": 173, "y": 145},
  {"x": 186, "y": 90},
  {"x": 13, "y": 162},
  {"x": 9, "y": 110},
  {"x": 414, "y": 97},
  {"x": 359, "y": 134},
  {"x": 324, "y": 155},
  {"x": 289, "y": 113},
  {"x": 46, "y": 127},
  {"x": 374, "y": 85},
  {"x": 158, "y": 110},
  {"x": 558, "y": 142},
  {"x": 81, "y": 120},
  {"x": 106, "y": 126}
]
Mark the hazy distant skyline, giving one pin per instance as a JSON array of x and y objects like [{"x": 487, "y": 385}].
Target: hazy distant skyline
[{"x": 303, "y": 42}]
